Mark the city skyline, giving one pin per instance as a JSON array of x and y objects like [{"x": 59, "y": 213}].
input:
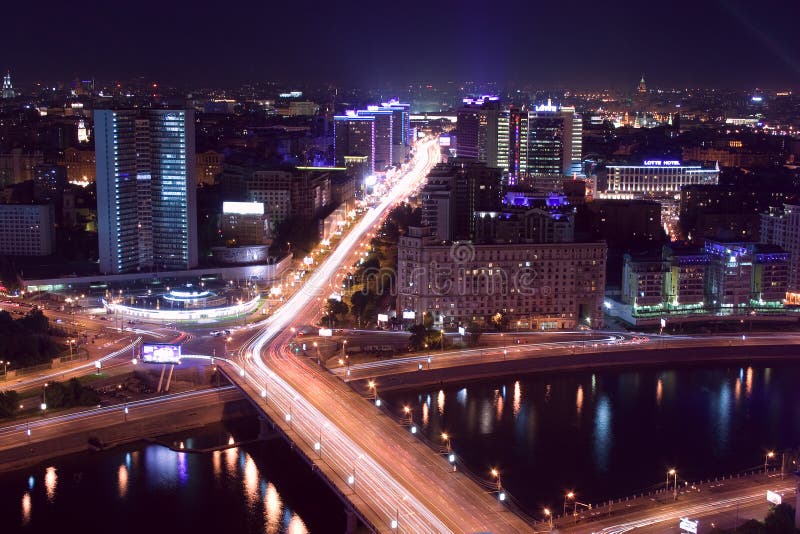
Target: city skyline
[{"x": 725, "y": 44}]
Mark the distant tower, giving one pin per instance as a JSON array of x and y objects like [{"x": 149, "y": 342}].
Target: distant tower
[
  {"x": 8, "y": 89},
  {"x": 642, "y": 86}
]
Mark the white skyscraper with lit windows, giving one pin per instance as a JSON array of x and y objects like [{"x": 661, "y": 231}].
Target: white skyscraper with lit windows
[{"x": 146, "y": 196}]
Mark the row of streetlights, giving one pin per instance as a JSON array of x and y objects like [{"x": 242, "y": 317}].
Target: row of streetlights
[{"x": 671, "y": 473}]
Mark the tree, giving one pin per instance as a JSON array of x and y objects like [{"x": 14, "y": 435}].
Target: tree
[
  {"x": 336, "y": 311},
  {"x": 35, "y": 322},
  {"x": 780, "y": 520},
  {"x": 474, "y": 331},
  {"x": 9, "y": 403},
  {"x": 418, "y": 337},
  {"x": 434, "y": 338},
  {"x": 500, "y": 322}
]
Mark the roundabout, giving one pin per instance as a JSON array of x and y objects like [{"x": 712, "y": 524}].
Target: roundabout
[{"x": 184, "y": 303}]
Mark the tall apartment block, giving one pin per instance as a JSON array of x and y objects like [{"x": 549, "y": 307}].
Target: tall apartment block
[{"x": 146, "y": 189}]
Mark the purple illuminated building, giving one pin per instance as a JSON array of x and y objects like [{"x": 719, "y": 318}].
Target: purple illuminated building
[
  {"x": 384, "y": 134},
  {"x": 354, "y": 135}
]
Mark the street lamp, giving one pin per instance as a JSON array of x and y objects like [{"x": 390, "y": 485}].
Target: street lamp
[
  {"x": 569, "y": 496},
  {"x": 374, "y": 388},
  {"x": 446, "y": 439},
  {"x": 5, "y": 368},
  {"x": 672, "y": 473},
  {"x": 549, "y": 517},
  {"x": 44, "y": 397},
  {"x": 496, "y": 474},
  {"x": 767, "y": 457}
]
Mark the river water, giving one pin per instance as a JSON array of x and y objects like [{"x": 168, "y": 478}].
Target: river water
[
  {"x": 611, "y": 433},
  {"x": 260, "y": 487}
]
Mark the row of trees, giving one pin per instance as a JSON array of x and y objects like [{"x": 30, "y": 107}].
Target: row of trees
[
  {"x": 58, "y": 394},
  {"x": 27, "y": 340},
  {"x": 373, "y": 280}
]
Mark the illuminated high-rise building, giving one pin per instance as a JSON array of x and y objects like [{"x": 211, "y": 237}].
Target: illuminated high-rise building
[
  {"x": 402, "y": 135},
  {"x": 507, "y": 141},
  {"x": 354, "y": 135},
  {"x": 384, "y": 135},
  {"x": 555, "y": 139},
  {"x": 146, "y": 192},
  {"x": 8, "y": 89},
  {"x": 472, "y": 127}
]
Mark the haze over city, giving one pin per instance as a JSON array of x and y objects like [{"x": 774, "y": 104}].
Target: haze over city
[
  {"x": 444, "y": 267},
  {"x": 577, "y": 43}
]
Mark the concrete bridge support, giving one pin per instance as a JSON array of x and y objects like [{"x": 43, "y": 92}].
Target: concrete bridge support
[
  {"x": 352, "y": 521},
  {"x": 266, "y": 429}
]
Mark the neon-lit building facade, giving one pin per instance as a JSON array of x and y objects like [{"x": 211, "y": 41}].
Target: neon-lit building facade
[
  {"x": 384, "y": 135},
  {"x": 354, "y": 135},
  {"x": 656, "y": 177},
  {"x": 402, "y": 135},
  {"x": 719, "y": 279},
  {"x": 554, "y": 140}
]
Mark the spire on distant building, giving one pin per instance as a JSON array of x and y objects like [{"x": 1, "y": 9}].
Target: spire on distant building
[
  {"x": 642, "y": 86},
  {"x": 8, "y": 89}
]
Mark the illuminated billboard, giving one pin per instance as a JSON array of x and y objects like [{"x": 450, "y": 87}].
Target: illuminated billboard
[
  {"x": 243, "y": 208},
  {"x": 159, "y": 353},
  {"x": 662, "y": 163}
]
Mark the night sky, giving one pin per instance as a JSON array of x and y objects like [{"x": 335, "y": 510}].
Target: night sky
[{"x": 577, "y": 43}]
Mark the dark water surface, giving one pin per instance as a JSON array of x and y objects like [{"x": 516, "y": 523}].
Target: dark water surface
[
  {"x": 612, "y": 433},
  {"x": 258, "y": 487}
]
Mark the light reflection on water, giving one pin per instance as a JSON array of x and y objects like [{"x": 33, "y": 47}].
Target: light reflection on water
[
  {"x": 602, "y": 433},
  {"x": 50, "y": 481},
  {"x": 165, "y": 470},
  {"x": 573, "y": 430},
  {"x": 122, "y": 480},
  {"x": 26, "y": 508},
  {"x": 659, "y": 391}
]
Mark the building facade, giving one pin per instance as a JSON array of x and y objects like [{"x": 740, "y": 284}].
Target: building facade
[
  {"x": 658, "y": 178},
  {"x": 781, "y": 227},
  {"x": 384, "y": 135},
  {"x": 244, "y": 223},
  {"x": 555, "y": 140},
  {"x": 146, "y": 185},
  {"x": 540, "y": 286},
  {"x": 354, "y": 136},
  {"x": 720, "y": 279},
  {"x": 454, "y": 192},
  {"x": 27, "y": 230}
]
